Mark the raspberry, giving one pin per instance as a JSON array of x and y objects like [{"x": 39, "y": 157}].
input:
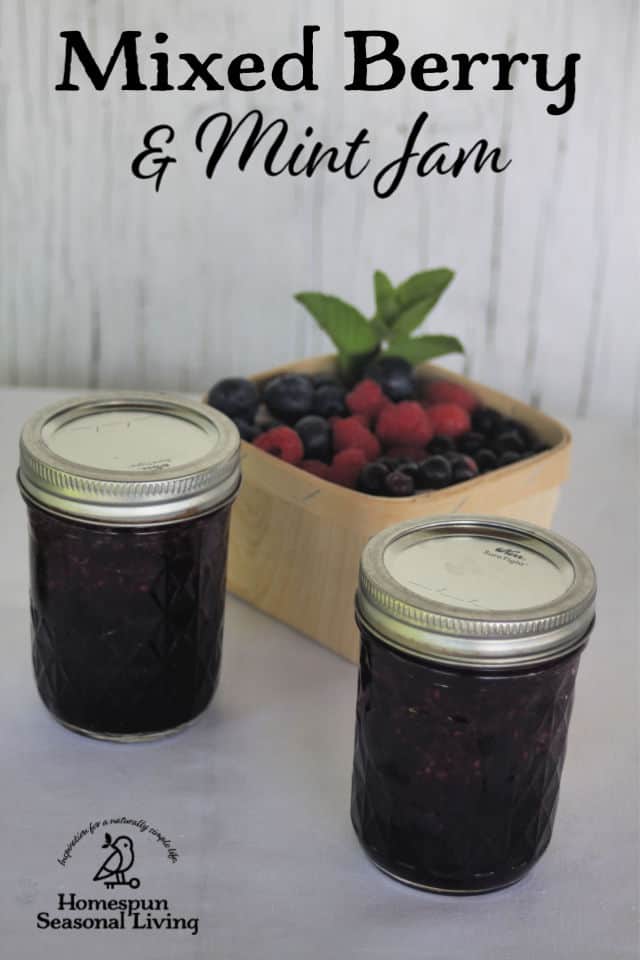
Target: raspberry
[
  {"x": 445, "y": 391},
  {"x": 449, "y": 420},
  {"x": 414, "y": 454},
  {"x": 281, "y": 442},
  {"x": 346, "y": 467},
  {"x": 404, "y": 424},
  {"x": 362, "y": 418},
  {"x": 350, "y": 434},
  {"x": 316, "y": 467},
  {"x": 367, "y": 398}
]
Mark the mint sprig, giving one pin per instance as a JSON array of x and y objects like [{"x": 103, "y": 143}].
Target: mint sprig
[
  {"x": 354, "y": 336},
  {"x": 399, "y": 312}
]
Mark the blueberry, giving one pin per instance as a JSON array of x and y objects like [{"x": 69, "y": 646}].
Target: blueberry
[
  {"x": 540, "y": 447},
  {"x": 457, "y": 459},
  {"x": 462, "y": 471},
  {"x": 463, "y": 467},
  {"x": 486, "y": 460},
  {"x": 395, "y": 376},
  {"x": 435, "y": 472},
  {"x": 289, "y": 396},
  {"x": 440, "y": 445},
  {"x": 398, "y": 484},
  {"x": 324, "y": 380},
  {"x": 486, "y": 420},
  {"x": 508, "y": 457},
  {"x": 372, "y": 477},
  {"x": 471, "y": 442},
  {"x": 509, "y": 440},
  {"x": 248, "y": 431},
  {"x": 391, "y": 462},
  {"x": 236, "y": 397},
  {"x": 328, "y": 401},
  {"x": 460, "y": 474},
  {"x": 521, "y": 429},
  {"x": 411, "y": 469},
  {"x": 315, "y": 433}
]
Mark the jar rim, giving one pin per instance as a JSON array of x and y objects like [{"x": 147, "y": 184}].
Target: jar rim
[
  {"x": 129, "y": 457},
  {"x": 476, "y": 591}
]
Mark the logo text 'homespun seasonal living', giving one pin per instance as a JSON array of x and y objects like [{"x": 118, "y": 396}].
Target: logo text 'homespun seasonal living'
[{"x": 118, "y": 868}]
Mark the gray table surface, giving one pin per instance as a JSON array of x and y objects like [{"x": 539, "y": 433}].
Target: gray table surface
[{"x": 255, "y": 797}]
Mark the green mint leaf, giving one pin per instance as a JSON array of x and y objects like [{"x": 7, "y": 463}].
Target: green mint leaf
[
  {"x": 386, "y": 306},
  {"x": 428, "y": 347},
  {"x": 417, "y": 296},
  {"x": 349, "y": 329}
]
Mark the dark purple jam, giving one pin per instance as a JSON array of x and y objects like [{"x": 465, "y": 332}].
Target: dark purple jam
[
  {"x": 456, "y": 772},
  {"x": 127, "y": 621}
]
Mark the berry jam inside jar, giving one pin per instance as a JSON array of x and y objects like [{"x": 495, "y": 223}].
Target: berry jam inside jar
[
  {"x": 129, "y": 499},
  {"x": 472, "y": 630}
]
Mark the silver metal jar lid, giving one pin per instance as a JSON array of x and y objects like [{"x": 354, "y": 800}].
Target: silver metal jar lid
[
  {"x": 476, "y": 591},
  {"x": 129, "y": 458}
]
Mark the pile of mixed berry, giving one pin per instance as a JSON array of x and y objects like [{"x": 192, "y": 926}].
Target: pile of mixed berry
[{"x": 389, "y": 435}]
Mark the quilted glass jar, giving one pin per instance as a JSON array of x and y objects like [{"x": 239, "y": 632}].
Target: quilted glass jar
[
  {"x": 129, "y": 498},
  {"x": 472, "y": 630}
]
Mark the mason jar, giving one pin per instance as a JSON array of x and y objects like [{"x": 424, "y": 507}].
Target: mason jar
[
  {"x": 472, "y": 630},
  {"x": 128, "y": 498}
]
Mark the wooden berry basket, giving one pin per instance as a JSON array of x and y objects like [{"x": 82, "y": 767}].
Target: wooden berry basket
[{"x": 296, "y": 539}]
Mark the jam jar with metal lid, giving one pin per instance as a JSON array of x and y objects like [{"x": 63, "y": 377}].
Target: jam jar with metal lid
[
  {"x": 472, "y": 629},
  {"x": 129, "y": 497}
]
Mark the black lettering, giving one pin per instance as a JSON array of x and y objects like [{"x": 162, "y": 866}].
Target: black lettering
[
  {"x": 480, "y": 147},
  {"x": 162, "y": 68},
  {"x": 439, "y": 164},
  {"x": 354, "y": 145},
  {"x": 200, "y": 71},
  {"x": 295, "y": 153},
  {"x": 361, "y": 61},
  {"x": 42, "y": 920},
  {"x": 237, "y": 70},
  {"x": 568, "y": 80},
  {"x": 318, "y": 155},
  {"x": 305, "y": 58},
  {"x": 396, "y": 169},
  {"x": 420, "y": 69},
  {"x": 158, "y": 165},
  {"x": 465, "y": 62},
  {"x": 127, "y": 45},
  {"x": 256, "y": 135},
  {"x": 505, "y": 62}
]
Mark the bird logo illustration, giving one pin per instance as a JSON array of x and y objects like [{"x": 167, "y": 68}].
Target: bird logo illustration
[{"x": 117, "y": 863}]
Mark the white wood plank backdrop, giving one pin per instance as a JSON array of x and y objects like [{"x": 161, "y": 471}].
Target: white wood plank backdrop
[{"x": 105, "y": 283}]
